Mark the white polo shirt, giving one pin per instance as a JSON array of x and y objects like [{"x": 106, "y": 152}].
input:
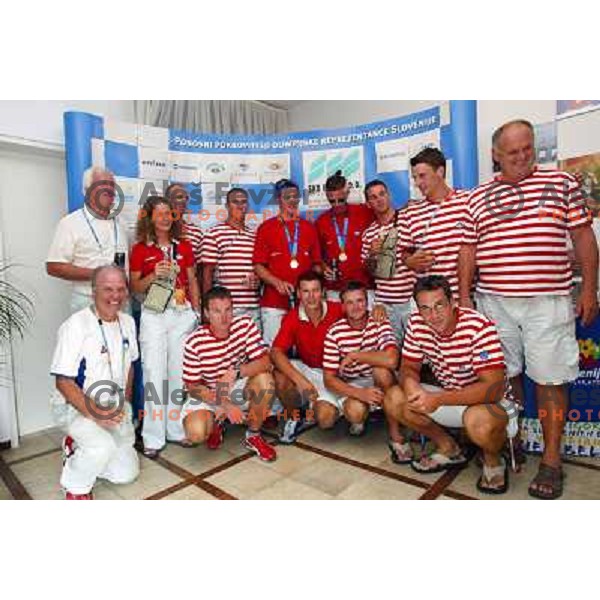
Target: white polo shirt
[
  {"x": 84, "y": 240},
  {"x": 82, "y": 353}
]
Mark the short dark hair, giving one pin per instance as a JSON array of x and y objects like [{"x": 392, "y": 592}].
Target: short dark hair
[
  {"x": 372, "y": 184},
  {"x": 217, "y": 292},
  {"x": 235, "y": 190},
  {"x": 310, "y": 276},
  {"x": 171, "y": 187},
  {"x": 433, "y": 157},
  {"x": 498, "y": 133},
  {"x": 432, "y": 283},
  {"x": 352, "y": 286},
  {"x": 285, "y": 184},
  {"x": 335, "y": 182}
]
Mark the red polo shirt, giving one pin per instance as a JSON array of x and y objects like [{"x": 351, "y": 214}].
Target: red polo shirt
[
  {"x": 145, "y": 256},
  {"x": 271, "y": 250},
  {"x": 297, "y": 330},
  {"x": 360, "y": 216}
]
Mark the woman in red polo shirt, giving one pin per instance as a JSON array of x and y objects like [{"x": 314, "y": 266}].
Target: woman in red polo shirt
[{"x": 160, "y": 255}]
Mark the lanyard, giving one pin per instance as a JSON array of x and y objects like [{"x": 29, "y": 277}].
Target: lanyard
[
  {"x": 341, "y": 237},
  {"x": 292, "y": 244},
  {"x": 115, "y": 232},
  {"x": 124, "y": 348},
  {"x": 434, "y": 214}
]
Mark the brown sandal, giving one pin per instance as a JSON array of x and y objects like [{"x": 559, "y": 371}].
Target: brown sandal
[{"x": 548, "y": 477}]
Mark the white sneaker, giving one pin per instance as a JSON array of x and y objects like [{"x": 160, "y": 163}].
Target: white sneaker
[{"x": 356, "y": 429}]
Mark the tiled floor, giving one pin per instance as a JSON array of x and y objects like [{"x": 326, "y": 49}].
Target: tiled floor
[{"x": 322, "y": 465}]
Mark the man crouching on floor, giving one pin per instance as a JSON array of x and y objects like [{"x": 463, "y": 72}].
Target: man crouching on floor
[
  {"x": 227, "y": 371},
  {"x": 463, "y": 348}
]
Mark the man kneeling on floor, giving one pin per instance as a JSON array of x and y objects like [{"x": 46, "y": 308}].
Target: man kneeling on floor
[
  {"x": 227, "y": 372},
  {"x": 359, "y": 359},
  {"x": 299, "y": 381},
  {"x": 463, "y": 348},
  {"x": 92, "y": 366}
]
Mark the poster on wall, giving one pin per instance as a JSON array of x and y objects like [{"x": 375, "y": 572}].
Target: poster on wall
[
  {"x": 587, "y": 169},
  {"x": 146, "y": 159},
  {"x": 568, "y": 108}
]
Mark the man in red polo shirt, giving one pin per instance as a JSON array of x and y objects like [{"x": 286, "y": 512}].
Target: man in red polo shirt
[
  {"x": 286, "y": 247},
  {"x": 340, "y": 232},
  {"x": 299, "y": 382}
]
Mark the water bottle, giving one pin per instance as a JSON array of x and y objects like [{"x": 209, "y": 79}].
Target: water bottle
[{"x": 335, "y": 269}]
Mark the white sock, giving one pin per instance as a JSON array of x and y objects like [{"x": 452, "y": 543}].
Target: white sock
[{"x": 250, "y": 433}]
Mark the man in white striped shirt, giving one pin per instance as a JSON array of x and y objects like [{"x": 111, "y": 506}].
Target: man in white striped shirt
[
  {"x": 359, "y": 358},
  {"x": 516, "y": 237},
  {"x": 430, "y": 229},
  {"x": 464, "y": 351},
  {"x": 227, "y": 257},
  {"x": 394, "y": 292},
  {"x": 227, "y": 372}
]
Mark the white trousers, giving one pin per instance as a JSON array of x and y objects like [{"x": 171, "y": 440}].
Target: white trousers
[
  {"x": 253, "y": 313},
  {"x": 100, "y": 452},
  {"x": 161, "y": 341},
  {"x": 271, "y": 322}
]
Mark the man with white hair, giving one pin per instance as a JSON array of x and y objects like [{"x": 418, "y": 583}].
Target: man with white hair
[
  {"x": 92, "y": 401},
  {"x": 88, "y": 238}
]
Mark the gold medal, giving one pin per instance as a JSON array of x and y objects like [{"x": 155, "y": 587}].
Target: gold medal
[
  {"x": 342, "y": 257},
  {"x": 294, "y": 264}
]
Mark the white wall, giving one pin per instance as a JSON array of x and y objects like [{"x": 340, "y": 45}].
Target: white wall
[
  {"x": 490, "y": 114},
  {"x": 32, "y": 200},
  {"x": 42, "y": 120}
]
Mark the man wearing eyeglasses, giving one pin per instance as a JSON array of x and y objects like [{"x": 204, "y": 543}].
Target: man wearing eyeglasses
[
  {"x": 88, "y": 238},
  {"x": 340, "y": 232},
  {"x": 227, "y": 257},
  {"x": 286, "y": 247}
]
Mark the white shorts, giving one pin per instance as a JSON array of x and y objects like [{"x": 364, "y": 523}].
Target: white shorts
[
  {"x": 452, "y": 415},
  {"x": 315, "y": 376},
  {"x": 271, "y": 322},
  {"x": 338, "y": 401},
  {"x": 538, "y": 332},
  {"x": 192, "y": 405}
]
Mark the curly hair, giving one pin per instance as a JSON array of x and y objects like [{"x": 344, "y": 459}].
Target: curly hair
[{"x": 145, "y": 231}]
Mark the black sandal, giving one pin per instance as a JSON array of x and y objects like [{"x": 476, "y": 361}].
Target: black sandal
[{"x": 549, "y": 477}]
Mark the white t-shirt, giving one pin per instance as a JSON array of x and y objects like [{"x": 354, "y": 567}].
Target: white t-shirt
[
  {"x": 83, "y": 240},
  {"x": 81, "y": 352}
]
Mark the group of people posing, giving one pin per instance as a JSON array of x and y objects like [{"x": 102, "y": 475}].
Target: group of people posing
[{"x": 430, "y": 313}]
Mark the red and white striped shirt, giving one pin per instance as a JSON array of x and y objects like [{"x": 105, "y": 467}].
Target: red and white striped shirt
[
  {"x": 341, "y": 339},
  {"x": 194, "y": 234},
  {"x": 230, "y": 249},
  {"x": 206, "y": 358},
  {"x": 521, "y": 230},
  {"x": 456, "y": 359},
  {"x": 398, "y": 289},
  {"x": 436, "y": 227}
]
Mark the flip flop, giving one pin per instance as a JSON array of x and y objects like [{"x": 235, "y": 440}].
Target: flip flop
[
  {"x": 401, "y": 454},
  {"x": 441, "y": 463},
  {"x": 488, "y": 473}
]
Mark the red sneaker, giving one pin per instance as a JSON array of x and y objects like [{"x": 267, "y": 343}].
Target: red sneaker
[
  {"x": 215, "y": 439},
  {"x": 70, "y": 496},
  {"x": 257, "y": 444},
  {"x": 68, "y": 447}
]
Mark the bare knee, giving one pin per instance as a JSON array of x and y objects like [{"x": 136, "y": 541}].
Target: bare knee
[
  {"x": 198, "y": 425},
  {"x": 484, "y": 423},
  {"x": 383, "y": 378},
  {"x": 326, "y": 415},
  {"x": 355, "y": 411},
  {"x": 394, "y": 400}
]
